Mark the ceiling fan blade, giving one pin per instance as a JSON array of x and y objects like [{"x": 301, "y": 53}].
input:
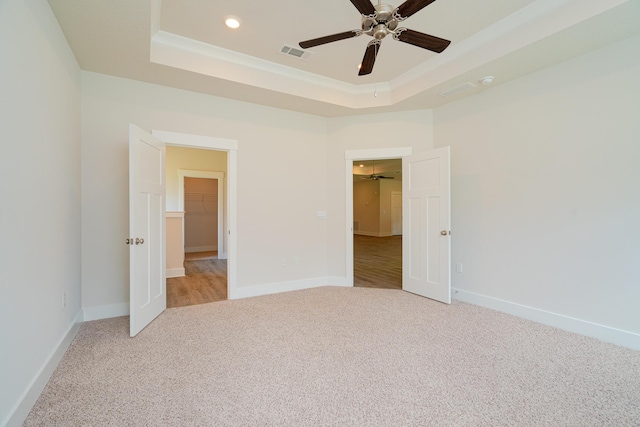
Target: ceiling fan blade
[
  {"x": 365, "y": 7},
  {"x": 366, "y": 67},
  {"x": 410, "y": 7},
  {"x": 425, "y": 41},
  {"x": 329, "y": 39}
]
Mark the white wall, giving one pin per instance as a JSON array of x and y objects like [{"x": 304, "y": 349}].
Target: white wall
[
  {"x": 282, "y": 159},
  {"x": 366, "y": 207},
  {"x": 545, "y": 188},
  {"x": 191, "y": 159},
  {"x": 372, "y": 206},
  {"x": 406, "y": 129},
  {"x": 386, "y": 187},
  {"x": 40, "y": 211}
]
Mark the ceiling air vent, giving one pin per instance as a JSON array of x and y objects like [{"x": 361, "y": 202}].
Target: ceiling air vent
[
  {"x": 458, "y": 89},
  {"x": 297, "y": 52}
]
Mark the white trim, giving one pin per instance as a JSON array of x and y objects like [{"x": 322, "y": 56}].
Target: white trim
[
  {"x": 571, "y": 324},
  {"x": 108, "y": 311},
  {"x": 231, "y": 147},
  {"x": 175, "y": 272},
  {"x": 350, "y": 156},
  {"x": 294, "y": 285},
  {"x": 528, "y": 25},
  {"x": 195, "y": 141},
  {"x": 191, "y": 249},
  {"x": 175, "y": 214},
  {"x": 21, "y": 409},
  {"x": 338, "y": 281}
]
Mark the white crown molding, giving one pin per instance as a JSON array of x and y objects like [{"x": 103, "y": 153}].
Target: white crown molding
[
  {"x": 532, "y": 23},
  {"x": 192, "y": 55}
]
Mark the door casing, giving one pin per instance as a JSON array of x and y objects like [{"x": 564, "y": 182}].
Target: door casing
[
  {"x": 231, "y": 147},
  {"x": 350, "y": 156}
]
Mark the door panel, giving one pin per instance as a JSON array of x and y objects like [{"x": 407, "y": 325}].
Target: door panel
[
  {"x": 146, "y": 228},
  {"x": 426, "y": 268}
]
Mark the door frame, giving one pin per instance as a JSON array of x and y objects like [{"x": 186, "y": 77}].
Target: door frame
[
  {"x": 231, "y": 147},
  {"x": 219, "y": 176},
  {"x": 350, "y": 156}
]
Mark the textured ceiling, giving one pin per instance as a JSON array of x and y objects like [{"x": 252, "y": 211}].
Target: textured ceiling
[{"x": 184, "y": 44}]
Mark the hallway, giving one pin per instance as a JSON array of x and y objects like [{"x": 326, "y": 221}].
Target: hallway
[{"x": 377, "y": 262}]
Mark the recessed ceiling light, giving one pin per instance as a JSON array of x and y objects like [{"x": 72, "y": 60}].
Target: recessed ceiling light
[
  {"x": 361, "y": 166},
  {"x": 232, "y": 22}
]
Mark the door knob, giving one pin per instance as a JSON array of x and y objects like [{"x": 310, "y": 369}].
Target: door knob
[
  {"x": 444, "y": 232},
  {"x": 128, "y": 241},
  {"x": 139, "y": 241}
]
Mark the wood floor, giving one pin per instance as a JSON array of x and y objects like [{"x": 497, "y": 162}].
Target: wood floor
[
  {"x": 194, "y": 256},
  {"x": 205, "y": 281},
  {"x": 377, "y": 262}
]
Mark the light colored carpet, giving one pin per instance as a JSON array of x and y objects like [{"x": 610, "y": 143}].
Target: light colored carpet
[{"x": 339, "y": 356}]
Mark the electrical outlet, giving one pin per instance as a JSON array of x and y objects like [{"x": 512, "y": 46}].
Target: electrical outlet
[
  {"x": 283, "y": 262},
  {"x": 296, "y": 260},
  {"x": 458, "y": 267},
  {"x": 64, "y": 300}
]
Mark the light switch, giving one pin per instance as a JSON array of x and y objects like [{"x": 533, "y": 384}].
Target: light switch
[{"x": 321, "y": 215}]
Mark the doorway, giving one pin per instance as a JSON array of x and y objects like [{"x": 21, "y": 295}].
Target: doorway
[
  {"x": 377, "y": 209},
  {"x": 224, "y": 172},
  {"x": 352, "y": 157},
  {"x": 426, "y": 199},
  {"x": 201, "y": 218},
  {"x": 196, "y": 255}
]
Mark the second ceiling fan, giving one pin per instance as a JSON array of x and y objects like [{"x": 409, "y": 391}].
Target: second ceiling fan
[
  {"x": 378, "y": 22},
  {"x": 375, "y": 176}
]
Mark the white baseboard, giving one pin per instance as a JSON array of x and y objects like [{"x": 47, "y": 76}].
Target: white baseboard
[
  {"x": 605, "y": 333},
  {"x": 105, "y": 311},
  {"x": 21, "y": 409},
  {"x": 274, "y": 288},
  {"x": 175, "y": 272},
  {"x": 200, "y": 248},
  {"x": 339, "y": 281},
  {"x": 372, "y": 233}
]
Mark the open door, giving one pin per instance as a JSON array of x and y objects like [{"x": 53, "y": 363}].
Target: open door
[
  {"x": 426, "y": 243},
  {"x": 146, "y": 227}
]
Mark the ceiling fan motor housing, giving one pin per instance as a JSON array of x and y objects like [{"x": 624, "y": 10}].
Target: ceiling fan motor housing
[
  {"x": 381, "y": 24},
  {"x": 378, "y": 22}
]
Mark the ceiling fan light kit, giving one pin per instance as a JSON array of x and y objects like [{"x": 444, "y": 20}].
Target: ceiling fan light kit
[{"x": 380, "y": 21}]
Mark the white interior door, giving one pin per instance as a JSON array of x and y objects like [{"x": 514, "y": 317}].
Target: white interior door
[
  {"x": 426, "y": 242},
  {"x": 146, "y": 228}
]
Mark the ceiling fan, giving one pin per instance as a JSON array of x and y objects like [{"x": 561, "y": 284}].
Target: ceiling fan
[
  {"x": 374, "y": 176},
  {"x": 378, "y": 22}
]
